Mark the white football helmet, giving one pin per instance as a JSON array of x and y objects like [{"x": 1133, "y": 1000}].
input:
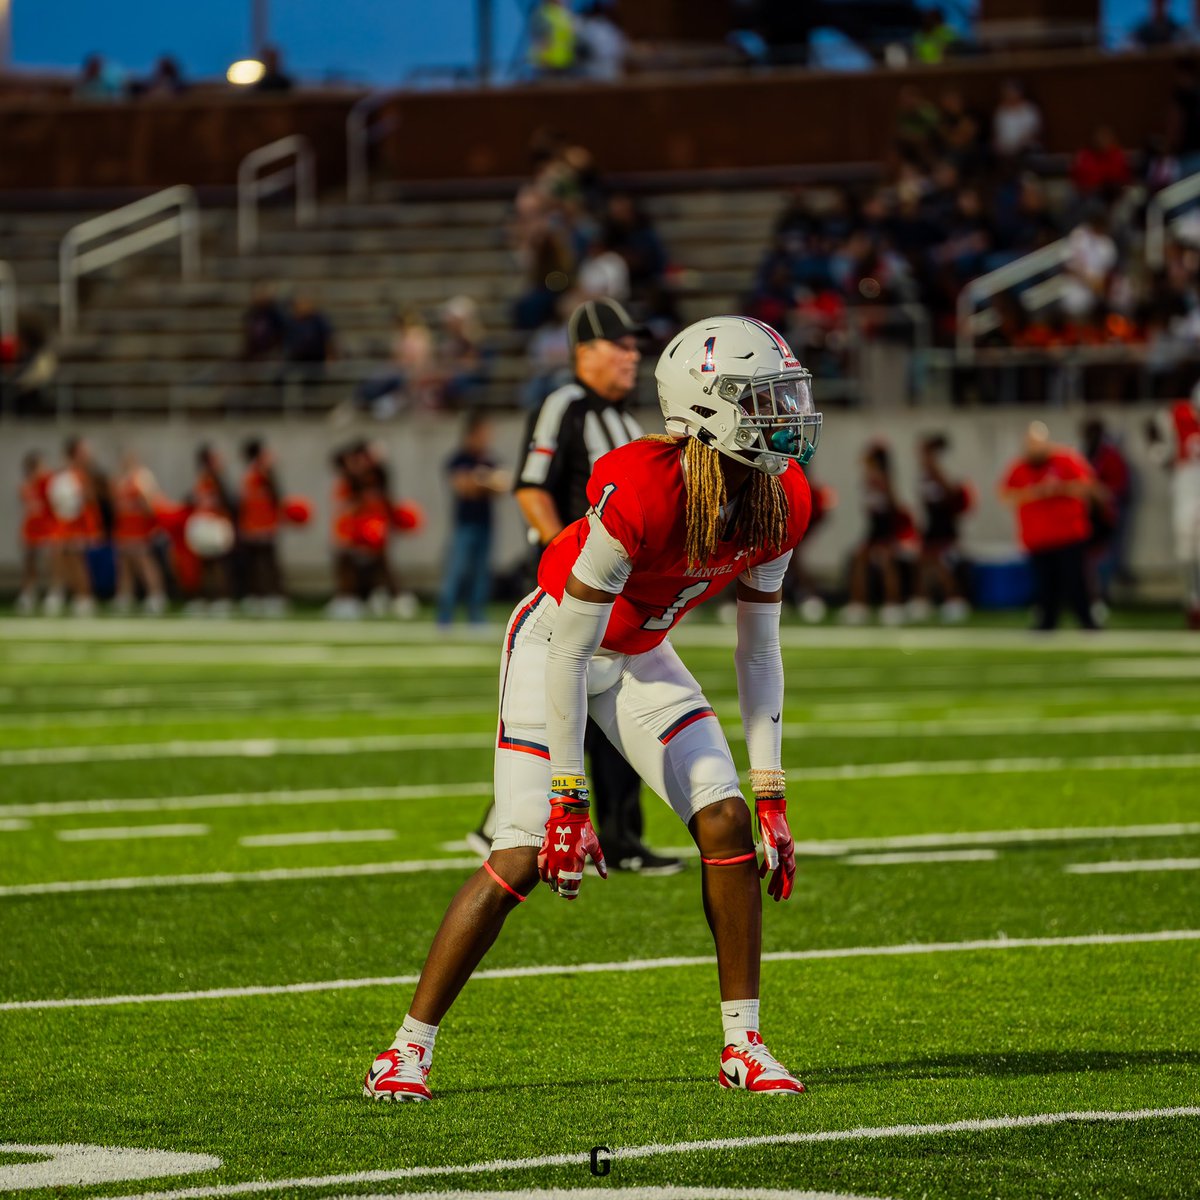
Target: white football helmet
[{"x": 734, "y": 384}]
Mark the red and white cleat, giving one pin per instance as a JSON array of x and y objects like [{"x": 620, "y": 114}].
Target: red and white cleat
[
  {"x": 399, "y": 1075},
  {"x": 751, "y": 1066}
]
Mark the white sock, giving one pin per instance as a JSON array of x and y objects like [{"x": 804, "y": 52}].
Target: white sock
[
  {"x": 739, "y": 1017},
  {"x": 415, "y": 1033}
]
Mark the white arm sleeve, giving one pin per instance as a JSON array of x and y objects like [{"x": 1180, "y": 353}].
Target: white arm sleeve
[
  {"x": 759, "y": 667},
  {"x": 578, "y": 630},
  {"x": 768, "y": 576},
  {"x": 602, "y": 563}
]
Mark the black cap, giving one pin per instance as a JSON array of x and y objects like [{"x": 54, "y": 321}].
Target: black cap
[{"x": 601, "y": 320}]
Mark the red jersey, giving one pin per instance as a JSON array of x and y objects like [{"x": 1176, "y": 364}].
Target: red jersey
[
  {"x": 1185, "y": 418},
  {"x": 88, "y": 527},
  {"x": 207, "y": 495},
  {"x": 1053, "y": 521},
  {"x": 134, "y": 519},
  {"x": 258, "y": 517},
  {"x": 37, "y": 521},
  {"x": 638, "y": 493}
]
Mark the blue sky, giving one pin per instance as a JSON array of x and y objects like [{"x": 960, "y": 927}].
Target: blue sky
[{"x": 362, "y": 41}]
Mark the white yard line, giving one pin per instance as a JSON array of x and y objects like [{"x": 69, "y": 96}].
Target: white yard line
[
  {"x": 12, "y": 825},
  {"x": 1135, "y": 864},
  {"x": 901, "y": 858},
  {"x": 657, "y": 1149},
  {"x": 903, "y": 949},
  {"x": 328, "y": 837},
  {"x": 218, "y": 878},
  {"x": 124, "y": 833},
  {"x": 283, "y": 798}
]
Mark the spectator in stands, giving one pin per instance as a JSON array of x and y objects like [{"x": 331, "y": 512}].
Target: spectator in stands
[
  {"x": 264, "y": 325},
  {"x": 960, "y": 132},
  {"x": 1183, "y": 126},
  {"x": 1049, "y": 488},
  {"x": 1092, "y": 263},
  {"x": 603, "y": 272},
  {"x": 886, "y": 521},
  {"x": 553, "y": 47},
  {"x": 308, "y": 337},
  {"x": 99, "y": 80},
  {"x": 475, "y": 481},
  {"x": 1016, "y": 124},
  {"x": 136, "y": 504},
  {"x": 1024, "y": 223},
  {"x": 211, "y": 495},
  {"x": 1101, "y": 168},
  {"x": 258, "y": 531},
  {"x": 37, "y": 532},
  {"x": 935, "y": 39},
  {"x": 917, "y": 125},
  {"x": 274, "y": 77},
  {"x": 1159, "y": 28},
  {"x": 629, "y": 230},
  {"x": 166, "y": 81},
  {"x": 459, "y": 350},
  {"x": 944, "y": 500},
  {"x": 549, "y": 353},
  {"x": 601, "y": 42},
  {"x": 1110, "y": 505}
]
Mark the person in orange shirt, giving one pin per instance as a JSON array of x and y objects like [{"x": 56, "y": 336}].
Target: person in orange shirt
[
  {"x": 79, "y": 527},
  {"x": 1050, "y": 487},
  {"x": 136, "y": 499},
  {"x": 346, "y": 604},
  {"x": 258, "y": 530},
  {"x": 210, "y": 494},
  {"x": 37, "y": 530}
]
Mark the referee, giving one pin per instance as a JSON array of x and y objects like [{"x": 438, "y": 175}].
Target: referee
[{"x": 576, "y": 424}]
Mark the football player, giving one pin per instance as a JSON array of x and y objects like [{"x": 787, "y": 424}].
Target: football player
[
  {"x": 674, "y": 519},
  {"x": 1175, "y": 440}
]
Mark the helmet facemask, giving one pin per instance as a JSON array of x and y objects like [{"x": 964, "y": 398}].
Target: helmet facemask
[{"x": 776, "y": 419}]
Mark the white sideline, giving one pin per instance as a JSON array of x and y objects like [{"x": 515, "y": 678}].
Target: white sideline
[
  {"x": 604, "y": 968},
  {"x": 214, "y": 878},
  {"x": 903, "y": 857},
  {"x": 654, "y": 1149},
  {"x": 325, "y": 837},
  {"x": 122, "y": 833},
  {"x": 77, "y": 808},
  {"x": 1136, "y": 864},
  {"x": 12, "y": 825}
]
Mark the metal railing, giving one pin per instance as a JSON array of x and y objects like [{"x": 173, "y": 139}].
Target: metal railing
[
  {"x": 8, "y": 305},
  {"x": 361, "y": 133},
  {"x": 252, "y": 187},
  {"x": 1170, "y": 198},
  {"x": 74, "y": 262},
  {"x": 972, "y": 324}
]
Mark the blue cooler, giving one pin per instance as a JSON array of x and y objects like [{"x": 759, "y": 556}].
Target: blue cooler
[{"x": 1001, "y": 579}]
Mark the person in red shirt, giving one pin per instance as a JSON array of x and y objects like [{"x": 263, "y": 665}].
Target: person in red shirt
[
  {"x": 1102, "y": 167},
  {"x": 673, "y": 520},
  {"x": 1050, "y": 488},
  {"x": 79, "y": 525},
  {"x": 1109, "y": 512},
  {"x": 210, "y": 495},
  {"x": 1175, "y": 443},
  {"x": 258, "y": 529},
  {"x": 136, "y": 499},
  {"x": 37, "y": 530}
]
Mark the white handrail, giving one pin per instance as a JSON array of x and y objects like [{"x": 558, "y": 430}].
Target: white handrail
[
  {"x": 252, "y": 187},
  {"x": 75, "y": 262},
  {"x": 1028, "y": 266},
  {"x": 359, "y": 135},
  {"x": 8, "y": 303},
  {"x": 1177, "y": 193}
]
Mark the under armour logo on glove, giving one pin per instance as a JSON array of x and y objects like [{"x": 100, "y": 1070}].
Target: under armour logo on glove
[{"x": 569, "y": 842}]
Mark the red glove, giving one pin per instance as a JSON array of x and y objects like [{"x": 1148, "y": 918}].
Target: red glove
[
  {"x": 779, "y": 852},
  {"x": 569, "y": 842}
]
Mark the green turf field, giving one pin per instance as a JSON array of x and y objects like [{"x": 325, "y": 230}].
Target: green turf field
[{"x": 224, "y": 848}]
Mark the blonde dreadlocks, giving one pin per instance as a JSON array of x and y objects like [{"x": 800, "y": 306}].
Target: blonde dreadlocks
[{"x": 763, "y": 524}]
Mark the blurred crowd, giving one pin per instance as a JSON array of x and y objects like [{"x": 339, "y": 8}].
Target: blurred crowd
[{"x": 968, "y": 191}]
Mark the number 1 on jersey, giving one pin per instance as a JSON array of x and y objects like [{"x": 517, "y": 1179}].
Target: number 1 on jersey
[
  {"x": 667, "y": 617},
  {"x": 607, "y": 491}
]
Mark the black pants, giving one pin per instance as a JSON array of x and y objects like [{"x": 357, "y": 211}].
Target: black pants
[
  {"x": 616, "y": 795},
  {"x": 1059, "y": 578}
]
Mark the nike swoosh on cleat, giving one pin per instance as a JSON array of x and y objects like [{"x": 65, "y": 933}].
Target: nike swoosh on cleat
[
  {"x": 373, "y": 1074},
  {"x": 734, "y": 1076},
  {"x": 775, "y": 718}
]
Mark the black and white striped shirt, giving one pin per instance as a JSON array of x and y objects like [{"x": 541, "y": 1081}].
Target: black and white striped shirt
[{"x": 565, "y": 437}]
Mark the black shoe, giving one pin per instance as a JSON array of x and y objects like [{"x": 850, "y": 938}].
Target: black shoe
[
  {"x": 479, "y": 842},
  {"x": 642, "y": 861}
]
